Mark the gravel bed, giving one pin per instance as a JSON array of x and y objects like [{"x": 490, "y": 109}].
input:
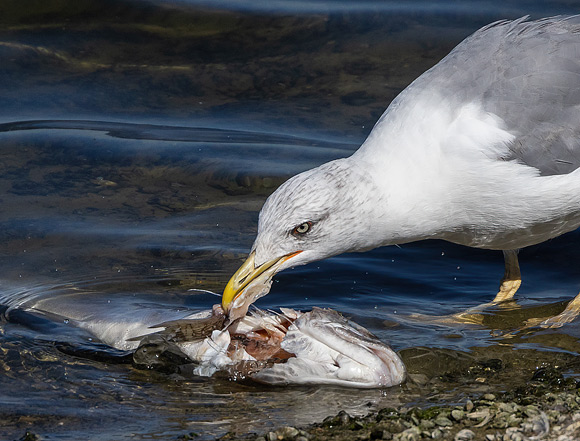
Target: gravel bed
[{"x": 545, "y": 408}]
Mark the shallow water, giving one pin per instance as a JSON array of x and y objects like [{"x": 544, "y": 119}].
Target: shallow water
[{"x": 138, "y": 141}]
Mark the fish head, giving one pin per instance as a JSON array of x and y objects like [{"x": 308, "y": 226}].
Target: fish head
[{"x": 330, "y": 349}]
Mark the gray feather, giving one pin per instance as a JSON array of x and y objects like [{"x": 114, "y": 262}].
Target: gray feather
[{"x": 528, "y": 74}]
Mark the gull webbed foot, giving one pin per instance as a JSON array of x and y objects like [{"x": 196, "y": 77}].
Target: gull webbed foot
[{"x": 570, "y": 313}]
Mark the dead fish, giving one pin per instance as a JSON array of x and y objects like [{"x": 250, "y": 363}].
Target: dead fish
[
  {"x": 290, "y": 347},
  {"x": 191, "y": 329},
  {"x": 316, "y": 347}
]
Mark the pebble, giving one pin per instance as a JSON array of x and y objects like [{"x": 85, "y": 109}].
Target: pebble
[
  {"x": 457, "y": 415},
  {"x": 513, "y": 434},
  {"x": 412, "y": 434},
  {"x": 531, "y": 410},
  {"x": 478, "y": 415},
  {"x": 287, "y": 433},
  {"x": 344, "y": 417},
  {"x": 489, "y": 397},
  {"x": 469, "y": 406},
  {"x": 436, "y": 434},
  {"x": 464, "y": 435},
  {"x": 443, "y": 421},
  {"x": 380, "y": 434}
]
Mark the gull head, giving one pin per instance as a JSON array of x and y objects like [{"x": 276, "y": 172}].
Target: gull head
[{"x": 317, "y": 214}]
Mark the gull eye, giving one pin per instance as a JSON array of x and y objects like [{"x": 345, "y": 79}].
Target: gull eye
[{"x": 302, "y": 229}]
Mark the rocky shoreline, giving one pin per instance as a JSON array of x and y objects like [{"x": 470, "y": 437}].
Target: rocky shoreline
[{"x": 547, "y": 407}]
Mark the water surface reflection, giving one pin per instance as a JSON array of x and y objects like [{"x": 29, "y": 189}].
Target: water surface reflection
[{"x": 138, "y": 141}]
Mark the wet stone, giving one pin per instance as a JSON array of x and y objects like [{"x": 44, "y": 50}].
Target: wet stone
[
  {"x": 343, "y": 417},
  {"x": 485, "y": 403},
  {"x": 457, "y": 415},
  {"x": 527, "y": 400},
  {"x": 512, "y": 434},
  {"x": 464, "y": 435},
  {"x": 29, "y": 436},
  {"x": 478, "y": 415},
  {"x": 548, "y": 375},
  {"x": 500, "y": 421},
  {"x": 377, "y": 433},
  {"x": 437, "y": 434},
  {"x": 514, "y": 421},
  {"x": 387, "y": 412},
  {"x": 287, "y": 433},
  {"x": 395, "y": 426},
  {"x": 443, "y": 421},
  {"x": 469, "y": 405},
  {"x": 507, "y": 407},
  {"x": 412, "y": 434},
  {"x": 531, "y": 411}
]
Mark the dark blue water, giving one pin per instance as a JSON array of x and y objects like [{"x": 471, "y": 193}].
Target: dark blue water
[{"x": 138, "y": 141}]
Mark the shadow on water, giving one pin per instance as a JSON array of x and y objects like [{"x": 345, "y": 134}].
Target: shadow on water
[{"x": 138, "y": 141}]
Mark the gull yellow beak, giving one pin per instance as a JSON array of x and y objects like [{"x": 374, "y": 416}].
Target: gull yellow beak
[{"x": 247, "y": 273}]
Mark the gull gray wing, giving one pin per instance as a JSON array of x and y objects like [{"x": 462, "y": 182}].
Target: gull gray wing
[
  {"x": 528, "y": 74},
  {"x": 537, "y": 92}
]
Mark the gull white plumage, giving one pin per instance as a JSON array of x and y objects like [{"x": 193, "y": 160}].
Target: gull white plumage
[{"x": 481, "y": 150}]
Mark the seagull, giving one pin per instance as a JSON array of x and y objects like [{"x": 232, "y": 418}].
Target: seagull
[{"x": 482, "y": 150}]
